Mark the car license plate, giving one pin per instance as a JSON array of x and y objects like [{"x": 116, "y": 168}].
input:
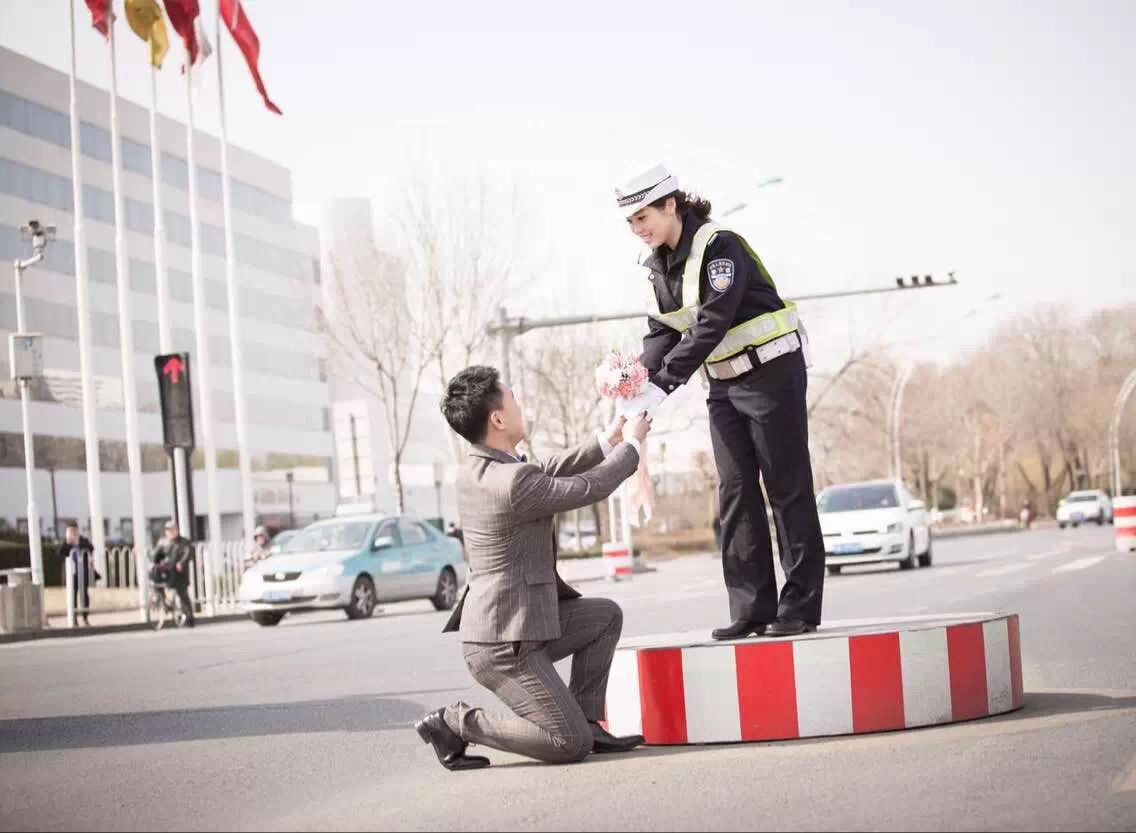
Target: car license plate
[
  {"x": 848, "y": 549},
  {"x": 277, "y": 596},
  {"x": 1078, "y": 516}
]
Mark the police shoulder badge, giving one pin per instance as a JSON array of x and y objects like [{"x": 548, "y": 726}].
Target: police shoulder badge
[{"x": 720, "y": 273}]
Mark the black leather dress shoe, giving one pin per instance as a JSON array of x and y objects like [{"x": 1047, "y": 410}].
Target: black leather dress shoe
[
  {"x": 739, "y": 630},
  {"x": 604, "y": 741},
  {"x": 789, "y": 627},
  {"x": 448, "y": 746}
]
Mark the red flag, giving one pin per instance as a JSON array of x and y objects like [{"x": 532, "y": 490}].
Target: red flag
[
  {"x": 241, "y": 29},
  {"x": 100, "y": 16},
  {"x": 182, "y": 14}
]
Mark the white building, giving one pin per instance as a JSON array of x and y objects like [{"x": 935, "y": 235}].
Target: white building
[{"x": 278, "y": 271}]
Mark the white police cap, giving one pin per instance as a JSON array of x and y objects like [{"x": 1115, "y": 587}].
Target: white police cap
[{"x": 644, "y": 189}]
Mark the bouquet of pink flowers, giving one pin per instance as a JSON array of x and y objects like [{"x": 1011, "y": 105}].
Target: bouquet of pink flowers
[{"x": 621, "y": 376}]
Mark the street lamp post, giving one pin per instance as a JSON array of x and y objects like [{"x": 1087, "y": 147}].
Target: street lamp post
[
  {"x": 24, "y": 341},
  {"x": 438, "y": 472},
  {"x": 1114, "y": 431},
  {"x": 290, "y": 476},
  {"x": 773, "y": 180},
  {"x": 896, "y": 415}
]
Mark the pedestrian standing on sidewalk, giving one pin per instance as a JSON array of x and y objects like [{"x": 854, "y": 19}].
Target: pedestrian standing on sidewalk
[{"x": 80, "y": 552}]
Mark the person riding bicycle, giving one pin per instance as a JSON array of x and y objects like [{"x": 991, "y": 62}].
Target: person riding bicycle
[
  {"x": 172, "y": 564},
  {"x": 261, "y": 547}
]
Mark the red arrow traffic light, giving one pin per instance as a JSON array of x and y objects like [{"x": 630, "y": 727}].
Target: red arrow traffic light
[
  {"x": 173, "y": 372},
  {"x": 173, "y": 368}
]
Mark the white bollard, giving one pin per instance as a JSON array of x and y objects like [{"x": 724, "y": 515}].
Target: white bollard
[
  {"x": 1124, "y": 521},
  {"x": 69, "y": 571},
  {"x": 617, "y": 561}
]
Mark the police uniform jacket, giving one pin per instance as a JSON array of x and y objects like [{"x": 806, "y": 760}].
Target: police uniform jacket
[{"x": 672, "y": 357}]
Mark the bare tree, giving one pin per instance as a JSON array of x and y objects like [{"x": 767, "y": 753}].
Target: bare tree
[
  {"x": 466, "y": 245},
  {"x": 557, "y": 372},
  {"x": 377, "y": 340}
]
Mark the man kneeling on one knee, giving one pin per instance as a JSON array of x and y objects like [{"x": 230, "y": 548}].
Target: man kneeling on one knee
[{"x": 517, "y": 616}]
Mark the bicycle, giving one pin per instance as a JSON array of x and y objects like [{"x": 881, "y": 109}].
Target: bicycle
[{"x": 165, "y": 604}]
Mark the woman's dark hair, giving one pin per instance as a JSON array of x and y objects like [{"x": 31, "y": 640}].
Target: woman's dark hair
[
  {"x": 470, "y": 398},
  {"x": 687, "y": 201}
]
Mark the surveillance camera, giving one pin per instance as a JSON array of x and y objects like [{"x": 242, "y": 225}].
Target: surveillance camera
[{"x": 38, "y": 233}]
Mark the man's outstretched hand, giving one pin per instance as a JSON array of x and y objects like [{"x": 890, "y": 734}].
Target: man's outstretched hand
[{"x": 615, "y": 431}]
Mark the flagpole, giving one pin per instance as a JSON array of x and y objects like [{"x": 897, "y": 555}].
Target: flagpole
[
  {"x": 165, "y": 330},
  {"x": 200, "y": 325},
  {"x": 83, "y": 308},
  {"x": 126, "y": 337},
  {"x": 165, "y": 337},
  {"x": 247, "y": 508}
]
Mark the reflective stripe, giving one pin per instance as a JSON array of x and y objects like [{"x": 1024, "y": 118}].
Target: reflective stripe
[{"x": 752, "y": 333}]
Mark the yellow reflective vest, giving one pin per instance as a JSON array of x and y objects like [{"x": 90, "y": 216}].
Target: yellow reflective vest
[{"x": 752, "y": 333}]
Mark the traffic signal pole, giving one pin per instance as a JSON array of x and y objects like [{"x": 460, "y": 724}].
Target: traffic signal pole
[{"x": 505, "y": 329}]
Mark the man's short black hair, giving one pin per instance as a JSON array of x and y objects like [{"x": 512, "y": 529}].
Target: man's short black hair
[
  {"x": 471, "y": 397},
  {"x": 72, "y": 525}
]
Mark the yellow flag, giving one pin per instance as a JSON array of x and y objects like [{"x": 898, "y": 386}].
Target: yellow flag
[{"x": 145, "y": 18}]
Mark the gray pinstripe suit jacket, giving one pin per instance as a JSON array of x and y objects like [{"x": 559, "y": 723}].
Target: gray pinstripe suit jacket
[{"x": 513, "y": 590}]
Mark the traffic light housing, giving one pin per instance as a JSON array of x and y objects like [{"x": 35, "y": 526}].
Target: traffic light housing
[{"x": 176, "y": 399}]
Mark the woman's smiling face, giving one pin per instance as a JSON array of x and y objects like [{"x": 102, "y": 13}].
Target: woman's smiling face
[{"x": 654, "y": 225}]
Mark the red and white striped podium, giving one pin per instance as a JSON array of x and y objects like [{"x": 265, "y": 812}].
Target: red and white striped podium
[
  {"x": 848, "y": 678},
  {"x": 1124, "y": 521},
  {"x": 618, "y": 561}
]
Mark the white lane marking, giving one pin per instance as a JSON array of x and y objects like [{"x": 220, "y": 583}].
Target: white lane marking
[
  {"x": 1127, "y": 784},
  {"x": 1080, "y": 564},
  {"x": 1037, "y": 556},
  {"x": 1002, "y": 571}
]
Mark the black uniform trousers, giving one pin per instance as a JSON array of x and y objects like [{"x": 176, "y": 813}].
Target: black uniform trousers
[{"x": 759, "y": 425}]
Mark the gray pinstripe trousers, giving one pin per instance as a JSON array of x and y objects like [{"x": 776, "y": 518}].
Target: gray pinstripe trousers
[{"x": 549, "y": 720}]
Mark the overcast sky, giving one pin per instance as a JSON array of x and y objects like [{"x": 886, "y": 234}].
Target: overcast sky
[{"x": 994, "y": 139}]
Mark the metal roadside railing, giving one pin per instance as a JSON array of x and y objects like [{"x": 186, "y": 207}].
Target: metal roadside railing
[{"x": 214, "y": 581}]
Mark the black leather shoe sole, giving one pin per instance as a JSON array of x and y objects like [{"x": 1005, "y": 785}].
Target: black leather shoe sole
[
  {"x": 793, "y": 629},
  {"x": 463, "y": 762},
  {"x": 626, "y": 744},
  {"x": 722, "y": 634},
  {"x": 454, "y": 763}
]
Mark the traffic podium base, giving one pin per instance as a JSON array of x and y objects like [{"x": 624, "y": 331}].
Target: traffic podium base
[
  {"x": 618, "y": 562},
  {"x": 1124, "y": 522},
  {"x": 849, "y": 677}
]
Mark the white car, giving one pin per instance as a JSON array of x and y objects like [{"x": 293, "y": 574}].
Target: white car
[
  {"x": 871, "y": 523},
  {"x": 1077, "y": 508}
]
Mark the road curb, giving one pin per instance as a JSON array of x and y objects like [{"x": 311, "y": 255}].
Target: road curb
[
  {"x": 968, "y": 531},
  {"x": 78, "y": 633}
]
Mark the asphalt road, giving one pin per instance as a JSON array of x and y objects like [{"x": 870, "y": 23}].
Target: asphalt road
[{"x": 308, "y": 725}]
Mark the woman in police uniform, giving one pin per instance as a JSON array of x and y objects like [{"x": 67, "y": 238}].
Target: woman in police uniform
[{"x": 713, "y": 305}]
